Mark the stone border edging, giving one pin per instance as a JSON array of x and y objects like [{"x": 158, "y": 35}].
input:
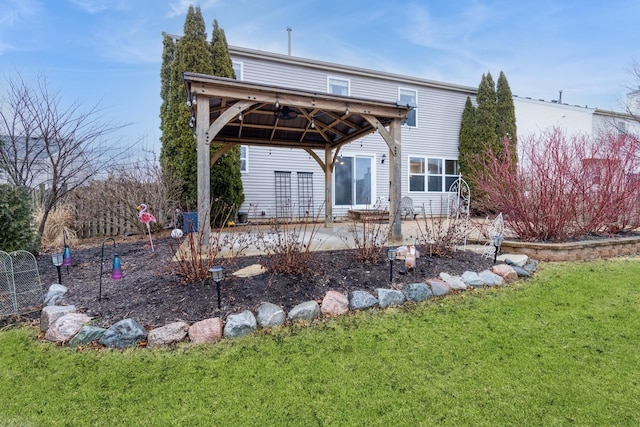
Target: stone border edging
[{"x": 62, "y": 324}]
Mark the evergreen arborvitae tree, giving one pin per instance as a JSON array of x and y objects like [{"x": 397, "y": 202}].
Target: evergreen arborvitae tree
[
  {"x": 467, "y": 145},
  {"x": 178, "y": 153},
  {"x": 226, "y": 179},
  {"x": 486, "y": 113},
  {"x": 168, "y": 52},
  {"x": 506, "y": 114},
  {"x": 222, "y": 65},
  {"x": 483, "y": 129}
]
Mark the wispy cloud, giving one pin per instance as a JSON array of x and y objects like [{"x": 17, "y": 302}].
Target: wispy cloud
[
  {"x": 97, "y": 6},
  {"x": 14, "y": 11},
  {"x": 180, "y": 7}
]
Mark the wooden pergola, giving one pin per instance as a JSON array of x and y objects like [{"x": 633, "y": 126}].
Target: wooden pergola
[{"x": 231, "y": 112}]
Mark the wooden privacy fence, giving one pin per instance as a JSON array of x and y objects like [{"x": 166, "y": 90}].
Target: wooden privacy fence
[
  {"x": 95, "y": 220},
  {"x": 108, "y": 207}
]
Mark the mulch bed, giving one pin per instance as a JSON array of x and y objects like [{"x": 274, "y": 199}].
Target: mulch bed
[{"x": 152, "y": 293}]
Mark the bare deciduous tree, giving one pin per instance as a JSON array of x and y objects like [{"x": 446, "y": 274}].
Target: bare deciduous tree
[
  {"x": 633, "y": 100},
  {"x": 46, "y": 141}
]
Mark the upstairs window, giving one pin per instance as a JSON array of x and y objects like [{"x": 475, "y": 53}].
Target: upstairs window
[
  {"x": 238, "y": 69},
  {"x": 409, "y": 97},
  {"x": 244, "y": 158},
  {"x": 337, "y": 86}
]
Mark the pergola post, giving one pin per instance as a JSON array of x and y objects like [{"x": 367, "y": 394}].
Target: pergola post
[
  {"x": 395, "y": 181},
  {"x": 328, "y": 187},
  {"x": 204, "y": 168}
]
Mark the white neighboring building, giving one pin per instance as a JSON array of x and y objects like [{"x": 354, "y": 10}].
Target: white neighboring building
[
  {"x": 276, "y": 177},
  {"x": 536, "y": 116}
]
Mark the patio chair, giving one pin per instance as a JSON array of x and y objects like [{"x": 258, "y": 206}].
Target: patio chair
[{"x": 406, "y": 208}]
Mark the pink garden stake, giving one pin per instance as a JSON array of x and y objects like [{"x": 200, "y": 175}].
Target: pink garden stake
[{"x": 146, "y": 218}]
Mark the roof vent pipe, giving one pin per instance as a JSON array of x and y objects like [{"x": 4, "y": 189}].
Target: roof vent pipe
[
  {"x": 560, "y": 98},
  {"x": 289, "y": 37}
]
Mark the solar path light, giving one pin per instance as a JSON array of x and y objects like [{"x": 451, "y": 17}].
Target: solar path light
[
  {"x": 57, "y": 260},
  {"x": 216, "y": 274},
  {"x": 391, "y": 254}
]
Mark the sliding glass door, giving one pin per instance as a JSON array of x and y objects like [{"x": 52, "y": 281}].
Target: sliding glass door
[{"x": 353, "y": 181}]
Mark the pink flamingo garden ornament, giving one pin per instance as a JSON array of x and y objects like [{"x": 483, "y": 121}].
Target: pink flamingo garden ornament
[{"x": 146, "y": 218}]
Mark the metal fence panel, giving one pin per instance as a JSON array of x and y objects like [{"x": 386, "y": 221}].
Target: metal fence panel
[{"x": 20, "y": 288}]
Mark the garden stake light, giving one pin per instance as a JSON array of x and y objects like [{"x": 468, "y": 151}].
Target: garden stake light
[
  {"x": 66, "y": 254},
  {"x": 497, "y": 242},
  {"x": 57, "y": 260},
  {"x": 216, "y": 274},
  {"x": 391, "y": 254},
  {"x": 116, "y": 266}
]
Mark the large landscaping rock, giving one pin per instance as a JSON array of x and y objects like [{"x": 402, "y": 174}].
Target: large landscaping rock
[
  {"x": 491, "y": 278},
  {"x": 206, "y": 331},
  {"x": 123, "y": 334},
  {"x": 270, "y": 315},
  {"x": 506, "y": 272},
  {"x": 454, "y": 282},
  {"x": 54, "y": 294},
  {"x": 389, "y": 297},
  {"x": 335, "y": 304},
  {"x": 250, "y": 271},
  {"x": 87, "y": 334},
  {"x": 240, "y": 324},
  {"x": 521, "y": 272},
  {"x": 66, "y": 327},
  {"x": 513, "y": 259},
  {"x": 531, "y": 266},
  {"x": 438, "y": 287},
  {"x": 50, "y": 314},
  {"x": 471, "y": 278},
  {"x": 306, "y": 311},
  {"x": 168, "y": 334},
  {"x": 360, "y": 300},
  {"x": 417, "y": 292}
]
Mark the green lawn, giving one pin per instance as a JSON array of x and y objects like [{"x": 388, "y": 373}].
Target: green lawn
[{"x": 559, "y": 349}]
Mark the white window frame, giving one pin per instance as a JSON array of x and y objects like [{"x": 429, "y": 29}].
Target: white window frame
[
  {"x": 238, "y": 68},
  {"x": 414, "y": 104},
  {"x": 333, "y": 79},
  {"x": 422, "y": 174},
  {"x": 245, "y": 158},
  {"x": 453, "y": 176},
  {"x": 443, "y": 175}
]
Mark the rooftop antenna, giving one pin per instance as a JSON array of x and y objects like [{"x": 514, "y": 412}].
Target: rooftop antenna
[
  {"x": 289, "y": 36},
  {"x": 560, "y": 98}
]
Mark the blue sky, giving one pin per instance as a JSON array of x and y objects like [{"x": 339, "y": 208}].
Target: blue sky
[{"x": 109, "y": 51}]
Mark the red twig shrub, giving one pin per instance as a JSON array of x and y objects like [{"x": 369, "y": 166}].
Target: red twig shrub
[
  {"x": 288, "y": 245},
  {"x": 370, "y": 239},
  {"x": 563, "y": 187},
  {"x": 194, "y": 255},
  {"x": 438, "y": 235}
]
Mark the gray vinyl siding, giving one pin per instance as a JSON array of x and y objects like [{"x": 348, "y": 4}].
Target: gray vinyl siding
[
  {"x": 259, "y": 180},
  {"x": 439, "y": 113}
]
